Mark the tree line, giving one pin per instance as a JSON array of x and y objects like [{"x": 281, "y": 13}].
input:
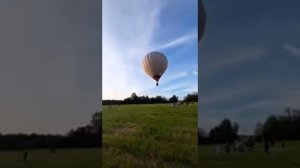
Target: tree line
[
  {"x": 281, "y": 127},
  {"x": 275, "y": 128},
  {"x": 225, "y": 132},
  {"x": 135, "y": 99},
  {"x": 81, "y": 137}
]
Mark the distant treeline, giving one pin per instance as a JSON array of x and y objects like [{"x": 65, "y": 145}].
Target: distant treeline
[
  {"x": 134, "y": 99},
  {"x": 275, "y": 128},
  {"x": 81, "y": 137},
  {"x": 283, "y": 127},
  {"x": 225, "y": 132}
]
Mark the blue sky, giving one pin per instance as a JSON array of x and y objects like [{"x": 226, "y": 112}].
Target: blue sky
[
  {"x": 133, "y": 28},
  {"x": 249, "y": 61}
]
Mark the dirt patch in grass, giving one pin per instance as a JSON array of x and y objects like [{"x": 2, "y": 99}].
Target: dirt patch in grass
[{"x": 128, "y": 129}]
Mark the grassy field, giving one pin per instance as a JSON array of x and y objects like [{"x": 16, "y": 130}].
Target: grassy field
[
  {"x": 153, "y": 136},
  {"x": 150, "y": 136},
  {"x": 288, "y": 157},
  {"x": 70, "y": 158}
]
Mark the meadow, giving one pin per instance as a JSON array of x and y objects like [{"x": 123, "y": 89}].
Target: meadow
[
  {"x": 156, "y": 135},
  {"x": 288, "y": 157},
  {"x": 62, "y": 158},
  {"x": 152, "y": 135}
]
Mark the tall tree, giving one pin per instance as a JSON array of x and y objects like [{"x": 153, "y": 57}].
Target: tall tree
[
  {"x": 225, "y": 132},
  {"x": 173, "y": 99}
]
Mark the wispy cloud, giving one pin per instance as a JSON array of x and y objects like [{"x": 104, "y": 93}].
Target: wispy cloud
[
  {"x": 212, "y": 96},
  {"x": 182, "y": 40},
  {"x": 195, "y": 73},
  {"x": 292, "y": 49},
  {"x": 175, "y": 87},
  {"x": 180, "y": 89},
  {"x": 175, "y": 76},
  {"x": 236, "y": 58},
  {"x": 250, "y": 106}
]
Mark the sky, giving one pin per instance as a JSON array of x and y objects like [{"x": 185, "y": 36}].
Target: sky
[
  {"x": 50, "y": 65},
  {"x": 248, "y": 61},
  {"x": 133, "y": 28}
]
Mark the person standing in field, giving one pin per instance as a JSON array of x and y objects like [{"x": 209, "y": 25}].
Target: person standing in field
[
  {"x": 25, "y": 155},
  {"x": 283, "y": 144},
  {"x": 53, "y": 150},
  {"x": 267, "y": 147},
  {"x": 218, "y": 149}
]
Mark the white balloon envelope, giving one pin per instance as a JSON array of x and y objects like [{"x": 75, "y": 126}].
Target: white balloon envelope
[{"x": 155, "y": 64}]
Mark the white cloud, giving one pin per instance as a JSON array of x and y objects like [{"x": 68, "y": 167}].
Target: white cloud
[
  {"x": 250, "y": 106},
  {"x": 239, "y": 57},
  {"x": 195, "y": 73},
  {"x": 177, "y": 86},
  {"x": 237, "y": 90},
  {"x": 175, "y": 76},
  {"x": 180, "y": 89},
  {"x": 182, "y": 40},
  {"x": 292, "y": 49}
]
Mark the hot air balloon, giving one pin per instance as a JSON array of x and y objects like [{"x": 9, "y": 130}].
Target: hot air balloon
[
  {"x": 155, "y": 64},
  {"x": 201, "y": 20}
]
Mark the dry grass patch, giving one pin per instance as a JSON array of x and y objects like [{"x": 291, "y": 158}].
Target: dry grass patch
[{"x": 128, "y": 129}]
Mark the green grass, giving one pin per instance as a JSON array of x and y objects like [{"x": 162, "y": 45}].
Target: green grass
[
  {"x": 150, "y": 136},
  {"x": 288, "y": 157},
  {"x": 63, "y": 158},
  {"x": 153, "y": 136}
]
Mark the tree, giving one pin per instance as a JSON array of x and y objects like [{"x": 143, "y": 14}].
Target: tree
[
  {"x": 88, "y": 135},
  {"x": 160, "y": 99},
  {"x": 283, "y": 127},
  {"x": 193, "y": 97},
  {"x": 96, "y": 122},
  {"x": 173, "y": 99},
  {"x": 271, "y": 128},
  {"x": 225, "y": 132},
  {"x": 134, "y": 96}
]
